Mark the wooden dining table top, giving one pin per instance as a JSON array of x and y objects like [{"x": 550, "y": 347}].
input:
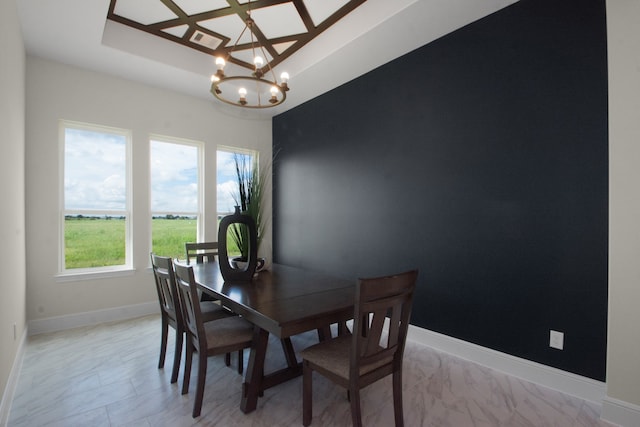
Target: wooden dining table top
[{"x": 282, "y": 300}]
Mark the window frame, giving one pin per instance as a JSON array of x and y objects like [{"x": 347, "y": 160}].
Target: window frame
[{"x": 65, "y": 274}]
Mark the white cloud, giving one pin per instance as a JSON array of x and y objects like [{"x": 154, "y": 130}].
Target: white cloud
[
  {"x": 174, "y": 177},
  {"x": 95, "y": 170}
]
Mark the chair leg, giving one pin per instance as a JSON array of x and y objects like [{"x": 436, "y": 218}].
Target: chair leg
[
  {"x": 307, "y": 391},
  {"x": 240, "y": 361},
  {"x": 356, "y": 417},
  {"x": 176, "y": 356},
  {"x": 188, "y": 357},
  {"x": 227, "y": 359},
  {"x": 397, "y": 398},
  {"x": 163, "y": 342},
  {"x": 202, "y": 375}
]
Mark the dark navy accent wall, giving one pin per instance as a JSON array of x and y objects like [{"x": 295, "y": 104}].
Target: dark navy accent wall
[{"x": 481, "y": 159}]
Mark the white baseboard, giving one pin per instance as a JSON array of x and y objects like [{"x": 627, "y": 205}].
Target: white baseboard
[
  {"x": 12, "y": 381},
  {"x": 557, "y": 379},
  {"x": 621, "y": 413},
  {"x": 70, "y": 321}
]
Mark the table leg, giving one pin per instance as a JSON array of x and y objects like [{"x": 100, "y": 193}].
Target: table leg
[
  {"x": 289, "y": 352},
  {"x": 255, "y": 370}
]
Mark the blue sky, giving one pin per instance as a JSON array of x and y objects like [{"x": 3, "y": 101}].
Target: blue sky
[{"x": 95, "y": 174}]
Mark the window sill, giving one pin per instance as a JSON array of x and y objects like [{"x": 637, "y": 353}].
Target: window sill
[{"x": 99, "y": 274}]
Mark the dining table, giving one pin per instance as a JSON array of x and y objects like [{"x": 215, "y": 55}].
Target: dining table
[{"x": 282, "y": 301}]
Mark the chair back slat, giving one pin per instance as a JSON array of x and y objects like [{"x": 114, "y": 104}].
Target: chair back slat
[
  {"x": 395, "y": 319},
  {"x": 374, "y": 333},
  {"x": 190, "y": 304},
  {"x": 201, "y": 252},
  {"x": 381, "y": 301}
]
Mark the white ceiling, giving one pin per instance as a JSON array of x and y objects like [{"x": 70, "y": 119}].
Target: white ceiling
[{"x": 76, "y": 32}]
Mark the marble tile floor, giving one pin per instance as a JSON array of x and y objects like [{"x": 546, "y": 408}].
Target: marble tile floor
[{"x": 106, "y": 375}]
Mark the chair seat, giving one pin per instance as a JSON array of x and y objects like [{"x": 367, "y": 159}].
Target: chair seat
[
  {"x": 333, "y": 356},
  {"x": 229, "y": 331}
]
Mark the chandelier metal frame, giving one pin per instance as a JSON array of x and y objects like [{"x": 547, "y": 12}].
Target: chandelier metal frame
[{"x": 257, "y": 79}]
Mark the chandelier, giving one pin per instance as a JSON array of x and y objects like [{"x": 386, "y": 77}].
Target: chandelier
[{"x": 260, "y": 89}]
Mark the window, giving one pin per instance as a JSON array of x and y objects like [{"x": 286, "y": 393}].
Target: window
[
  {"x": 175, "y": 195},
  {"x": 96, "y": 214}
]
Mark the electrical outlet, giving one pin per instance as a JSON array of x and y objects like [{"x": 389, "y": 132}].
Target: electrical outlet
[{"x": 556, "y": 339}]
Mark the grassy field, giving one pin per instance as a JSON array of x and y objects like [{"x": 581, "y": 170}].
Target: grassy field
[
  {"x": 92, "y": 242},
  {"x": 169, "y": 236}
]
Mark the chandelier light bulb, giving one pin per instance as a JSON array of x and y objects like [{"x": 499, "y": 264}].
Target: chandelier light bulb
[
  {"x": 258, "y": 61},
  {"x": 285, "y": 79},
  {"x": 274, "y": 94},
  {"x": 220, "y": 63},
  {"x": 243, "y": 95},
  {"x": 215, "y": 79}
]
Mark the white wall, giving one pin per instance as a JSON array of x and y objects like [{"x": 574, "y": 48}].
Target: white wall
[
  {"x": 623, "y": 355},
  {"x": 12, "y": 226},
  {"x": 56, "y": 91}
]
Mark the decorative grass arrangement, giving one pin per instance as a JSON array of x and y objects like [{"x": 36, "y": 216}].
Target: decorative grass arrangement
[{"x": 249, "y": 199}]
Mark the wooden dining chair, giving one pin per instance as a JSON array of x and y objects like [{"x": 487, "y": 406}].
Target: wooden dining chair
[
  {"x": 206, "y": 252},
  {"x": 201, "y": 252},
  {"x": 171, "y": 313},
  {"x": 207, "y": 339},
  {"x": 367, "y": 355}
]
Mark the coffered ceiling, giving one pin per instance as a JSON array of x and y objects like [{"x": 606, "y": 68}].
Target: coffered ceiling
[
  {"x": 216, "y": 27},
  {"x": 171, "y": 43}
]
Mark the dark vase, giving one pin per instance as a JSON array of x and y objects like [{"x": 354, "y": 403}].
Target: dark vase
[{"x": 228, "y": 271}]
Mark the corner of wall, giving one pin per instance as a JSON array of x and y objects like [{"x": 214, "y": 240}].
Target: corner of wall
[{"x": 12, "y": 382}]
